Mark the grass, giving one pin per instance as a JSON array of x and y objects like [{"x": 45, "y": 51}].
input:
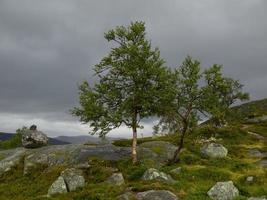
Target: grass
[{"x": 197, "y": 176}]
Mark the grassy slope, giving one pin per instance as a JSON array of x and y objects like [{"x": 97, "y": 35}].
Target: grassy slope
[{"x": 198, "y": 174}]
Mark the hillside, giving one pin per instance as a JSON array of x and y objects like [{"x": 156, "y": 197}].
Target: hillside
[
  {"x": 248, "y": 110},
  {"x": 190, "y": 179}
]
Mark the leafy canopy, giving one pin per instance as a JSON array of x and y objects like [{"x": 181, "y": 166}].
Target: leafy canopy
[{"x": 132, "y": 83}]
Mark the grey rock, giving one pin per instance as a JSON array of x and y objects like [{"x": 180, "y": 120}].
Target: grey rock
[
  {"x": 176, "y": 170},
  {"x": 33, "y": 138},
  {"x": 256, "y": 153},
  {"x": 250, "y": 179},
  {"x": 156, "y": 153},
  {"x": 11, "y": 160},
  {"x": 154, "y": 174},
  {"x": 223, "y": 191},
  {"x": 116, "y": 179},
  {"x": 59, "y": 186},
  {"x": 73, "y": 178},
  {"x": 257, "y": 198},
  {"x": 214, "y": 150},
  {"x": 76, "y": 155},
  {"x": 262, "y": 163},
  {"x": 156, "y": 195}
]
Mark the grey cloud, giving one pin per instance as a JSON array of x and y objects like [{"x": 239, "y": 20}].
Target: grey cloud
[{"x": 48, "y": 47}]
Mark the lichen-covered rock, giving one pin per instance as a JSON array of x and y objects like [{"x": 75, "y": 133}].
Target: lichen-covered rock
[
  {"x": 156, "y": 195},
  {"x": 33, "y": 138},
  {"x": 223, "y": 191},
  {"x": 214, "y": 150},
  {"x": 73, "y": 178},
  {"x": 156, "y": 153},
  {"x": 59, "y": 186},
  {"x": 12, "y": 160},
  {"x": 116, "y": 179},
  {"x": 154, "y": 174}
]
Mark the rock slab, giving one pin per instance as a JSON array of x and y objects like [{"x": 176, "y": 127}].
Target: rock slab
[
  {"x": 58, "y": 187},
  {"x": 116, "y": 179},
  {"x": 73, "y": 178},
  {"x": 156, "y": 195}
]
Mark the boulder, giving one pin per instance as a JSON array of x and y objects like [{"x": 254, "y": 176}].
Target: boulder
[
  {"x": 154, "y": 174},
  {"x": 126, "y": 196},
  {"x": 156, "y": 195},
  {"x": 223, "y": 191},
  {"x": 214, "y": 150},
  {"x": 11, "y": 160},
  {"x": 116, "y": 179},
  {"x": 59, "y": 186},
  {"x": 73, "y": 178},
  {"x": 33, "y": 138},
  {"x": 155, "y": 153}
]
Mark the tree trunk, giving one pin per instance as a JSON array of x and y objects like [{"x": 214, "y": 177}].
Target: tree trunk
[
  {"x": 134, "y": 153},
  {"x": 181, "y": 144}
]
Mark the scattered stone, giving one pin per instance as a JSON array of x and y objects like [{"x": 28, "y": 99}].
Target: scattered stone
[
  {"x": 258, "y": 119},
  {"x": 262, "y": 163},
  {"x": 176, "y": 170},
  {"x": 156, "y": 195},
  {"x": 250, "y": 179},
  {"x": 73, "y": 178},
  {"x": 223, "y": 191},
  {"x": 59, "y": 186},
  {"x": 116, "y": 179},
  {"x": 154, "y": 174},
  {"x": 214, "y": 150},
  {"x": 33, "y": 138},
  {"x": 256, "y": 153},
  {"x": 11, "y": 161}
]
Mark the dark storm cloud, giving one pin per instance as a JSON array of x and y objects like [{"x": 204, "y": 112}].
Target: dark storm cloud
[{"x": 48, "y": 47}]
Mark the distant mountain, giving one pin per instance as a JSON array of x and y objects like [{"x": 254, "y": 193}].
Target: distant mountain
[
  {"x": 52, "y": 141},
  {"x": 80, "y": 139}
]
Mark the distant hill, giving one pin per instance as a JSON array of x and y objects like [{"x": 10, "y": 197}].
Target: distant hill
[
  {"x": 52, "y": 141},
  {"x": 83, "y": 139},
  {"x": 248, "y": 110}
]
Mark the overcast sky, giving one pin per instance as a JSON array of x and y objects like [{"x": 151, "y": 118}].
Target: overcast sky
[{"x": 48, "y": 47}]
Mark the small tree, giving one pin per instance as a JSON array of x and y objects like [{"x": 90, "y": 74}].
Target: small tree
[
  {"x": 189, "y": 98},
  {"x": 181, "y": 112},
  {"x": 225, "y": 92},
  {"x": 132, "y": 84}
]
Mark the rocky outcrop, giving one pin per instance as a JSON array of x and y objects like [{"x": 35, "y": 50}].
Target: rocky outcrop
[
  {"x": 223, "y": 191},
  {"x": 214, "y": 150},
  {"x": 73, "y": 178},
  {"x": 58, "y": 187},
  {"x": 11, "y": 160},
  {"x": 156, "y": 153},
  {"x": 116, "y": 179},
  {"x": 154, "y": 174},
  {"x": 33, "y": 138},
  {"x": 71, "y": 155},
  {"x": 156, "y": 195},
  {"x": 258, "y": 198}
]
